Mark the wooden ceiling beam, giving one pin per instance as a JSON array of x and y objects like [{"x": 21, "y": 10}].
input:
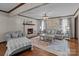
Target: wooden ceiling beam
[
  {"x": 16, "y": 7},
  {"x": 13, "y": 8}
]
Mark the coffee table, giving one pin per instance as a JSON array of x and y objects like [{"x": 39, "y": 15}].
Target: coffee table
[{"x": 46, "y": 37}]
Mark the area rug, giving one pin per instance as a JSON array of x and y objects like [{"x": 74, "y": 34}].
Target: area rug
[{"x": 58, "y": 47}]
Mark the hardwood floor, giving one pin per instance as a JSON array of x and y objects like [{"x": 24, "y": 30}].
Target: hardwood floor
[
  {"x": 39, "y": 52},
  {"x": 73, "y": 43},
  {"x": 35, "y": 52},
  {"x": 2, "y": 48}
]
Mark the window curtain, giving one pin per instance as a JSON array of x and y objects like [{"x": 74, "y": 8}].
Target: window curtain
[
  {"x": 66, "y": 27},
  {"x": 43, "y": 25}
]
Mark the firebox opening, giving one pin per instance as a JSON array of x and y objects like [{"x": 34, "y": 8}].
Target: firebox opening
[{"x": 30, "y": 31}]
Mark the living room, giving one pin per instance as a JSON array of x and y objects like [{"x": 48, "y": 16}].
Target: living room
[{"x": 46, "y": 25}]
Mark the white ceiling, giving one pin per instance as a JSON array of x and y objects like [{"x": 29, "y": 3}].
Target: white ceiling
[
  {"x": 37, "y": 10},
  {"x": 52, "y": 10},
  {"x": 7, "y": 6},
  {"x": 25, "y": 7}
]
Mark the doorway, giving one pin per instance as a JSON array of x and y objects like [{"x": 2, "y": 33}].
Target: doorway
[
  {"x": 76, "y": 34},
  {"x": 76, "y": 27}
]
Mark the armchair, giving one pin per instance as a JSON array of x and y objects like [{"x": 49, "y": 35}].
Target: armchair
[{"x": 59, "y": 35}]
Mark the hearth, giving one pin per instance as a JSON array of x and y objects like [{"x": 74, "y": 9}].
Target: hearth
[{"x": 30, "y": 31}]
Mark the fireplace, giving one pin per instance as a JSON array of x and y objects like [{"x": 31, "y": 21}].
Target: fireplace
[{"x": 30, "y": 31}]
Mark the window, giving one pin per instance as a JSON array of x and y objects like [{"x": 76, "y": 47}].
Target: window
[{"x": 66, "y": 26}]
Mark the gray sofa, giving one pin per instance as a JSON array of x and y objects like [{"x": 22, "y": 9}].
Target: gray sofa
[{"x": 15, "y": 35}]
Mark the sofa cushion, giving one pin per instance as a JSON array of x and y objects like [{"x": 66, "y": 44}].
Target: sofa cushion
[
  {"x": 14, "y": 35},
  {"x": 20, "y": 34}
]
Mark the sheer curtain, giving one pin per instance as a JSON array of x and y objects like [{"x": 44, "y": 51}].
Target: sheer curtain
[
  {"x": 43, "y": 25},
  {"x": 66, "y": 26}
]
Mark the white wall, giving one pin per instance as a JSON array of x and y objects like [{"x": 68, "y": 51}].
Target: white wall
[
  {"x": 12, "y": 23},
  {"x": 18, "y": 23},
  {"x": 72, "y": 27},
  {"x": 3, "y": 24},
  {"x": 7, "y": 23}
]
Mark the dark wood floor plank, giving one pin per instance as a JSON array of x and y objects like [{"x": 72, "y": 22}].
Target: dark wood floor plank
[
  {"x": 2, "y": 48},
  {"x": 35, "y": 52},
  {"x": 73, "y": 43},
  {"x": 39, "y": 52}
]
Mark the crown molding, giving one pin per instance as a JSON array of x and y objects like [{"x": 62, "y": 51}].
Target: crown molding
[
  {"x": 13, "y": 8},
  {"x": 27, "y": 16},
  {"x": 60, "y": 16},
  {"x": 76, "y": 12},
  {"x": 16, "y": 7}
]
